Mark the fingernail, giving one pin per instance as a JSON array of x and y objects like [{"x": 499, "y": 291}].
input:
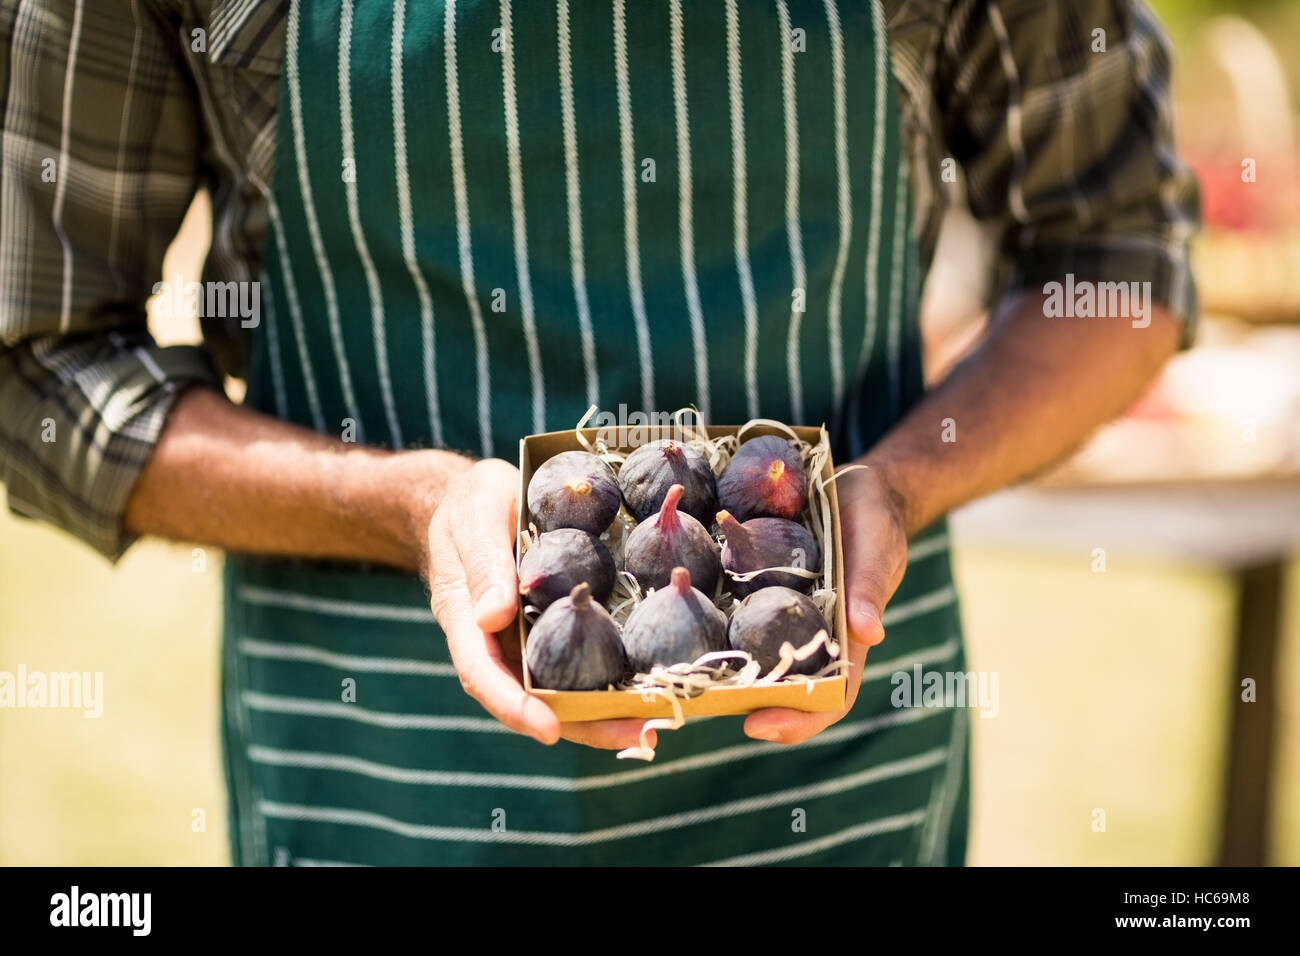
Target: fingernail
[
  {"x": 866, "y": 611},
  {"x": 766, "y": 733},
  {"x": 868, "y": 628},
  {"x": 491, "y": 600}
]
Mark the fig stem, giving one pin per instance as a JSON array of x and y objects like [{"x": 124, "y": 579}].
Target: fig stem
[
  {"x": 681, "y": 580},
  {"x": 579, "y": 486},
  {"x": 738, "y": 539},
  {"x": 580, "y": 596},
  {"x": 668, "y": 519}
]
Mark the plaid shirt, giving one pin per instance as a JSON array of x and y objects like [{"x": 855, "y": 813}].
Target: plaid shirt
[{"x": 116, "y": 111}]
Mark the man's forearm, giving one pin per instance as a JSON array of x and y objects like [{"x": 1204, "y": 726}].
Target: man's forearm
[
  {"x": 231, "y": 477},
  {"x": 1034, "y": 389},
  {"x": 1031, "y": 392}
]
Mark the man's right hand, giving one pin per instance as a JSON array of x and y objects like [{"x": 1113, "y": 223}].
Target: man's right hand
[
  {"x": 226, "y": 475},
  {"x": 475, "y": 594}
]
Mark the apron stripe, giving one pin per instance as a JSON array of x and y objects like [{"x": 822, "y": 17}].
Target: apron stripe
[
  {"x": 934, "y": 839},
  {"x": 373, "y": 289},
  {"x": 279, "y": 650},
  {"x": 270, "y": 597},
  {"x": 924, "y": 604},
  {"x": 302, "y": 862},
  {"x": 844, "y": 731},
  {"x": 920, "y": 550},
  {"x": 674, "y": 821},
  {"x": 276, "y": 704},
  {"x": 428, "y": 339},
  {"x": 519, "y": 220},
  {"x": 846, "y": 210},
  {"x": 895, "y": 329},
  {"x": 631, "y": 239},
  {"x": 424, "y": 778},
  {"x": 929, "y": 655},
  {"x": 351, "y": 408},
  {"x": 792, "y": 226},
  {"x": 273, "y": 353},
  {"x": 686, "y": 205},
  {"x": 460, "y": 193},
  {"x": 295, "y": 315},
  {"x": 734, "y": 808},
  {"x": 859, "y": 832},
  {"x": 247, "y": 827},
  {"x": 740, "y": 212},
  {"x": 573, "y": 195},
  {"x": 856, "y": 438}
]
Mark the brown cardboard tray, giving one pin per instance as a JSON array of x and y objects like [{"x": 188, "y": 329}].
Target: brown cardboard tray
[{"x": 822, "y": 694}]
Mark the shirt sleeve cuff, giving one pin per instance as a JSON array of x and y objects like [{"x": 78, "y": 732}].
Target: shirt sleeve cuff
[
  {"x": 83, "y": 417},
  {"x": 1165, "y": 266}
]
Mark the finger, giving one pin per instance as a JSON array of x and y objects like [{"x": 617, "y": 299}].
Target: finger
[
  {"x": 486, "y": 677},
  {"x": 484, "y": 534},
  {"x": 607, "y": 734},
  {"x": 864, "y": 620},
  {"x": 874, "y": 561},
  {"x": 787, "y": 726},
  {"x": 483, "y": 673},
  {"x": 600, "y": 734},
  {"x": 870, "y": 579}
]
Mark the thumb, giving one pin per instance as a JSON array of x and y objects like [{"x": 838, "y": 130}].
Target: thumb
[
  {"x": 484, "y": 538},
  {"x": 865, "y": 619},
  {"x": 875, "y": 558}
]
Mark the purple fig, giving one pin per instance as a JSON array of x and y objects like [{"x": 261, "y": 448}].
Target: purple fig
[
  {"x": 574, "y": 489},
  {"x": 771, "y": 617},
  {"x": 575, "y": 645},
  {"x": 652, "y": 469},
  {"x": 561, "y": 560},
  {"x": 670, "y": 538},
  {"x": 766, "y": 478},
  {"x": 767, "y": 543},
  {"x": 676, "y": 624}
]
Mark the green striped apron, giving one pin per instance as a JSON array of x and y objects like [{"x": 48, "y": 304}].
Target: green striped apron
[{"x": 485, "y": 217}]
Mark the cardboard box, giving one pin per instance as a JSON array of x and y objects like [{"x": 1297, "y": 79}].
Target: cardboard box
[{"x": 822, "y": 694}]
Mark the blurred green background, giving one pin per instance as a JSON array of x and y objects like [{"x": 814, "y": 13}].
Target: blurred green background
[{"x": 1114, "y": 688}]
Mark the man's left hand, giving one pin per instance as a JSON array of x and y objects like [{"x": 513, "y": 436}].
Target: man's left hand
[{"x": 875, "y": 557}]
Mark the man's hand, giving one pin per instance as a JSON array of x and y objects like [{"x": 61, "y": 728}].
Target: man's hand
[
  {"x": 233, "y": 477},
  {"x": 1028, "y": 395},
  {"x": 875, "y": 557},
  {"x": 475, "y": 593}
]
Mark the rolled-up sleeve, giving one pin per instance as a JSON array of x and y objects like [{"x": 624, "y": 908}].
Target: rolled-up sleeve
[
  {"x": 99, "y": 164},
  {"x": 1060, "y": 114}
]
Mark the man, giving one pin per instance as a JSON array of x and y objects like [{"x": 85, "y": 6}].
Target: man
[{"x": 470, "y": 221}]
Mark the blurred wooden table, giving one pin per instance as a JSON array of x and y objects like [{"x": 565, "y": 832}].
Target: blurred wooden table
[{"x": 1247, "y": 529}]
